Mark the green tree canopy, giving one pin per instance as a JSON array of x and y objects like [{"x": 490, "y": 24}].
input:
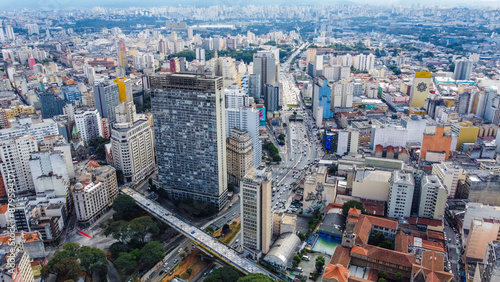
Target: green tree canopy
[
  {"x": 125, "y": 263},
  {"x": 352, "y": 204},
  {"x": 93, "y": 259},
  {"x": 125, "y": 207},
  {"x": 119, "y": 230},
  {"x": 223, "y": 274},
  {"x": 152, "y": 253},
  {"x": 256, "y": 277},
  {"x": 141, "y": 226}
]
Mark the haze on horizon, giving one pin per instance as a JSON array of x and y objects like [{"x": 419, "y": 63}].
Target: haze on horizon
[{"x": 61, "y": 4}]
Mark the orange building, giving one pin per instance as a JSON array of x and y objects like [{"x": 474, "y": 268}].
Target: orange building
[
  {"x": 106, "y": 133},
  {"x": 438, "y": 142},
  {"x": 3, "y": 190}
]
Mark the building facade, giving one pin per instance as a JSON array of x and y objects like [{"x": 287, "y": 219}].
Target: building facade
[
  {"x": 15, "y": 153},
  {"x": 88, "y": 123},
  {"x": 256, "y": 212},
  {"x": 190, "y": 137},
  {"x": 400, "y": 195},
  {"x": 106, "y": 98},
  {"x": 239, "y": 155},
  {"x": 433, "y": 197}
]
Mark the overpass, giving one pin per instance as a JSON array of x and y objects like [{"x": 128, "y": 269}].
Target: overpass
[{"x": 205, "y": 241}]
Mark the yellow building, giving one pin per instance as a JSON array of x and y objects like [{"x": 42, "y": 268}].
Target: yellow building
[
  {"x": 417, "y": 111},
  {"x": 18, "y": 110},
  {"x": 124, "y": 88},
  {"x": 420, "y": 89},
  {"x": 466, "y": 132}
]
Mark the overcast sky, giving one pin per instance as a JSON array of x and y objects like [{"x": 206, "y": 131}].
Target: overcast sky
[{"x": 150, "y": 3}]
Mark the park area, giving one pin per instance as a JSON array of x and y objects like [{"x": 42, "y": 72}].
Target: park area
[
  {"x": 189, "y": 267},
  {"x": 234, "y": 226}
]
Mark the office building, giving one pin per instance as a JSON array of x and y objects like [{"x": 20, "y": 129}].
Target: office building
[
  {"x": 122, "y": 54},
  {"x": 265, "y": 64},
  {"x": 463, "y": 69},
  {"x": 132, "y": 143},
  {"x": 371, "y": 184},
  {"x": 49, "y": 173},
  {"x": 190, "y": 137},
  {"x": 491, "y": 263},
  {"x": 466, "y": 132},
  {"x": 72, "y": 94},
  {"x": 254, "y": 86},
  {"x": 247, "y": 119},
  {"x": 449, "y": 174},
  {"x": 480, "y": 186},
  {"x": 272, "y": 98},
  {"x": 239, "y": 155},
  {"x": 420, "y": 89},
  {"x": 436, "y": 144},
  {"x": 51, "y": 104},
  {"x": 433, "y": 195},
  {"x": 322, "y": 95},
  {"x": 106, "y": 98},
  {"x": 88, "y": 123},
  {"x": 37, "y": 128},
  {"x": 236, "y": 97},
  {"x": 94, "y": 191},
  {"x": 388, "y": 135},
  {"x": 22, "y": 271},
  {"x": 400, "y": 195},
  {"x": 15, "y": 153},
  {"x": 124, "y": 88},
  {"x": 336, "y": 73},
  {"x": 342, "y": 95},
  {"x": 256, "y": 212}
]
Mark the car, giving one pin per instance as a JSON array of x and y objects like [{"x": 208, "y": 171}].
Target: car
[
  {"x": 179, "y": 250},
  {"x": 161, "y": 272}
]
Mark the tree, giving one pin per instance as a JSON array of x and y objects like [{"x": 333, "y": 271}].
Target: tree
[
  {"x": 189, "y": 271},
  {"x": 69, "y": 268},
  {"x": 141, "y": 226},
  {"x": 152, "y": 253},
  {"x": 223, "y": 274},
  {"x": 352, "y": 204},
  {"x": 256, "y": 277},
  {"x": 301, "y": 278},
  {"x": 98, "y": 144},
  {"x": 116, "y": 248},
  {"x": 381, "y": 280},
  {"x": 93, "y": 259},
  {"x": 125, "y": 263},
  {"x": 119, "y": 230},
  {"x": 320, "y": 263},
  {"x": 125, "y": 207},
  {"x": 302, "y": 237},
  {"x": 296, "y": 260},
  {"x": 398, "y": 276},
  {"x": 386, "y": 245},
  {"x": 210, "y": 230}
]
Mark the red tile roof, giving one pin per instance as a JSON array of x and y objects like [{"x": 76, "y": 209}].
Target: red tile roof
[
  {"x": 432, "y": 268},
  {"x": 401, "y": 242},
  {"x": 336, "y": 272},
  {"x": 341, "y": 256}
]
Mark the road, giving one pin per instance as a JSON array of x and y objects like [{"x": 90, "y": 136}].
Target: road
[
  {"x": 453, "y": 248},
  {"x": 207, "y": 242},
  {"x": 302, "y": 148}
]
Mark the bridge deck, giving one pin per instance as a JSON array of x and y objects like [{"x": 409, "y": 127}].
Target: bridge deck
[{"x": 201, "y": 238}]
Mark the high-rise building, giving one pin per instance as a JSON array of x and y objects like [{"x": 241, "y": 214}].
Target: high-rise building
[
  {"x": 124, "y": 88},
  {"x": 9, "y": 33},
  {"x": 336, "y": 72},
  {"x": 107, "y": 97},
  {"x": 58, "y": 143},
  {"x": 342, "y": 95},
  {"x": 256, "y": 212},
  {"x": 466, "y": 132},
  {"x": 449, "y": 174},
  {"x": 132, "y": 143},
  {"x": 22, "y": 271},
  {"x": 436, "y": 144},
  {"x": 254, "y": 86},
  {"x": 88, "y": 123},
  {"x": 33, "y": 127},
  {"x": 15, "y": 153},
  {"x": 433, "y": 197},
  {"x": 322, "y": 95},
  {"x": 94, "y": 191},
  {"x": 400, "y": 195},
  {"x": 122, "y": 54},
  {"x": 236, "y": 98},
  {"x": 463, "y": 69},
  {"x": 33, "y": 29},
  {"x": 264, "y": 64},
  {"x": 51, "y": 104},
  {"x": 239, "y": 155},
  {"x": 420, "y": 89},
  {"x": 247, "y": 119},
  {"x": 190, "y": 137},
  {"x": 272, "y": 98}
]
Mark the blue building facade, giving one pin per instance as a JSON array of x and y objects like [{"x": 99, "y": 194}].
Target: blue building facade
[
  {"x": 71, "y": 94},
  {"x": 325, "y": 99}
]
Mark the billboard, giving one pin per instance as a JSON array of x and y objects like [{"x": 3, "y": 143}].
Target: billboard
[{"x": 262, "y": 115}]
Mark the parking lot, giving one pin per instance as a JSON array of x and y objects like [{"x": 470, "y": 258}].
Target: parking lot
[{"x": 308, "y": 267}]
